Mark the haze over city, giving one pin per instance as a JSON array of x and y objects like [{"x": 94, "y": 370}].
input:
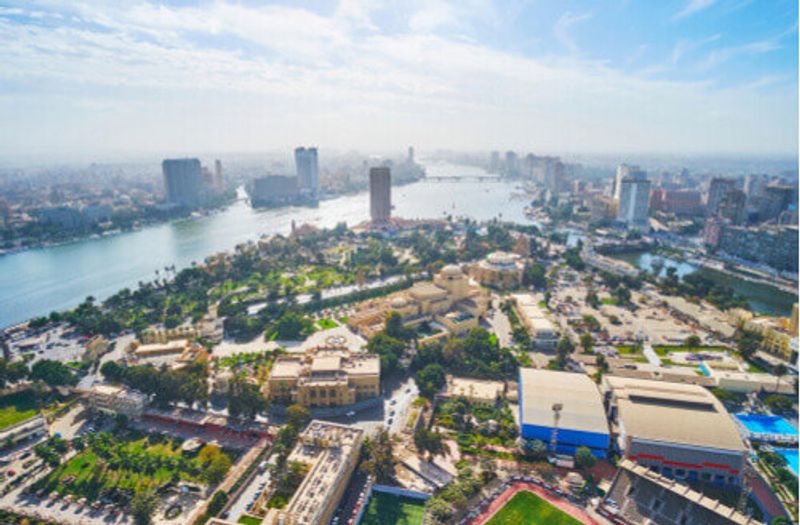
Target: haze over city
[{"x": 100, "y": 80}]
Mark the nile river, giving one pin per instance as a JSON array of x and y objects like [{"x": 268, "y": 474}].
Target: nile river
[{"x": 38, "y": 281}]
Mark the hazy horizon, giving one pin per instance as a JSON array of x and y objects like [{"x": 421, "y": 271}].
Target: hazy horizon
[{"x": 97, "y": 81}]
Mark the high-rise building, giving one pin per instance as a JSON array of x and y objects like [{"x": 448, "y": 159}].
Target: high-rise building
[
  {"x": 754, "y": 184},
  {"x": 512, "y": 164},
  {"x": 734, "y": 207},
  {"x": 717, "y": 188},
  {"x": 274, "y": 190},
  {"x": 494, "y": 162},
  {"x": 410, "y": 157},
  {"x": 634, "y": 200},
  {"x": 305, "y": 160},
  {"x": 219, "y": 181},
  {"x": 774, "y": 200},
  {"x": 624, "y": 170},
  {"x": 679, "y": 202},
  {"x": 380, "y": 194},
  {"x": 183, "y": 180}
]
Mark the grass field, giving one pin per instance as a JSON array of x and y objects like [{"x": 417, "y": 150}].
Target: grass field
[
  {"x": 17, "y": 407},
  {"x": 388, "y": 509},
  {"x": 327, "y": 323},
  {"x": 526, "y": 508},
  {"x": 250, "y": 520}
]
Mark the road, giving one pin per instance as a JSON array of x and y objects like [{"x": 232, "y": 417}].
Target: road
[
  {"x": 248, "y": 496},
  {"x": 499, "y": 324},
  {"x": 398, "y": 398}
]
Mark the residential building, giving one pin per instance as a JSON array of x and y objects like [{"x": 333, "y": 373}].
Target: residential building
[
  {"x": 499, "y": 270},
  {"x": 307, "y": 166},
  {"x": 774, "y": 246},
  {"x": 543, "y": 332},
  {"x": 183, "y": 180},
  {"x": 634, "y": 200},
  {"x": 328, "y": 375},
  {"x": 603, "y": 208},
  {"x": 117, "y": 400},
  {"x": 684, "y": 203},
  {"x": 330, "y": 452},
  {"x": 274, "y": 190},
  {"x": 717, "y": 189},
  {"x": 624, "y": 171},
  {"x": 562, "y": 409},
  {"x": 380, "y": 194},
  {"x": 733, "y": 207},
  {"x": 679, "y": 430},
  {"x": 774, "y": 200}
]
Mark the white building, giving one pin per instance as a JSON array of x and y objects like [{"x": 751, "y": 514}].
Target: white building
[
  {"x": 117, "y": 400},
  {"x": 634, "y": 200},
  {"x": 541, "y": 329}
]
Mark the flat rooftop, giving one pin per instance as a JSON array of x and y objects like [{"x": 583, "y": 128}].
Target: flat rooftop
[
  {"x": 582, "y": 404},
  {"x": 475, "y": 388},
  {"x": 673, "y": 412}
]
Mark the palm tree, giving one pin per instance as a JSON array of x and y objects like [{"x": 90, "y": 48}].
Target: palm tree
[{"x": 780, "y": 370}]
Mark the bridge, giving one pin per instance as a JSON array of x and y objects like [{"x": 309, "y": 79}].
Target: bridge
[{"x": 464, "y": 178}]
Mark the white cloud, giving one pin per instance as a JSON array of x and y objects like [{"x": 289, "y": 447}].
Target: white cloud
[
  {"x": 564, "y": 25},
  {"x": 692, "y": 7}
]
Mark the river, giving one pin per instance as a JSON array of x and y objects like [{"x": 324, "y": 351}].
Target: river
[
  {"x": 760, "y": 298},
  {"x": 37, "y": 281}
]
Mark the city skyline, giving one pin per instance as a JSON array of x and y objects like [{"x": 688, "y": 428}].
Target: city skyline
[{"x": 687, "y": 77}]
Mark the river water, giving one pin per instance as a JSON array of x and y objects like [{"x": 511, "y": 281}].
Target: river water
[{"x": 38, "y": 281}]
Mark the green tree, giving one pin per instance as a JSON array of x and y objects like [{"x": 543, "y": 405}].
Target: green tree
[
  {"x": 143, "y": 506},
  {"x": 693, "y": 341},
  {"x": 297, "y": 415},
  {"x": 389, "y": 348},
  {"x": 779, "y": 371},
  {"x": 587, "y": 342},
  {"x": 245, "y": 398},
  {"x": 584, "y": 459},
  {"x": 395, "y": 327},
  {"x": 53, "y": 373},
  {"x": 535, "y": 276},
  {"x": 380, "y": 457},
  {"x": 430, "y": 380},
  {"x": 429, "y": 442}
]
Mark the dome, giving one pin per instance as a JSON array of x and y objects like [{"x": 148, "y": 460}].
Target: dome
[
  {"x": 451, "y": 270},
  {"x": 398, "y": 302}
]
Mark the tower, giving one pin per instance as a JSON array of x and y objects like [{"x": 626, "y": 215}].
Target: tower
[
  {"x": 307, "y": 167},
  {"x": 380, "y": 194}
]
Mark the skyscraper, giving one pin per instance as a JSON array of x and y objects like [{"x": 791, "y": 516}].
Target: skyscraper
[
  {"x": 634, "y": 199},
  {"x": 733, "y": 207},
  {"x": 219, "y": 181},
  {"x": 717, "y": 188},
  {"x": 410, "y": 158},
  {"x": 380, "y": 194},
  {"x": 624, "y": 170},
  {"x": 305, "y": 160},
  {"x": 183, "y": 180}
]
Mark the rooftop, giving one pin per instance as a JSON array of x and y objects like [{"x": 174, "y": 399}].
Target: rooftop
[
  {"x": 582, "y": 405},
  {"x": 673, "y": 412}
]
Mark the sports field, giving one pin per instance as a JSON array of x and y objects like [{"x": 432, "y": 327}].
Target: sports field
[
  {"x": 526, "y": 508},
  {"x": 388, "y": 509}
]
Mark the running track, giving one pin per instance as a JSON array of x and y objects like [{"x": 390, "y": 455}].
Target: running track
[{"x": 546, "y": 495}]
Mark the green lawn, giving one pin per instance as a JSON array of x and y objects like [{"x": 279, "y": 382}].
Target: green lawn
[
  {"x": 526, "y": 508},
  {"x": 17, "y": 407},
  {"x": 325, "y": 324},
  {"x": 249, "y": 520},
  {"x": 664, "y": 350},
  {"x": 388, "y": 509}
]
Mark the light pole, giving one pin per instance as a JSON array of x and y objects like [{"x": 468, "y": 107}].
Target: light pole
[{"x": 557, "y": 407}]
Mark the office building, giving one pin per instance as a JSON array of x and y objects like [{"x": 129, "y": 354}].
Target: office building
[
  {"x": 380, "y": 194},
  {"x": 562, "y": 409},
  {"x": 324, "y": 376},
  {"x": 717, "y": 189},
  {"x": 685, "y": 203},
  {"x": 754, "y": 185},
  {"x": 330, "y": 453},
  {"x": 623, "y": 171},
  {"x": 774, "y": 200},
  {"x": 184, "y": 183},
  {"x": 543, "y": 332},
  {"x": 733, "y": 207},
  {"x": 410, "y": 156},
  {"x": 274, "y": 190},
  {"x": 634, "y": 200},
  {"x": 307, "y": 166},
  {"x": 219, "y": 178},
  {"x": 679, "y": 430},
  {"x": 639, "y": 496}
]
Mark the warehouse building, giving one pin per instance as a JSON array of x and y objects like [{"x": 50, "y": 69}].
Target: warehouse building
[
  {"x": 679, "y": 430},
  {"x": 563, "y": 405}
]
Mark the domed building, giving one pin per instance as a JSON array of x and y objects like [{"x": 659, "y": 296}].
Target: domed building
[{"x": 500, "y": 270}]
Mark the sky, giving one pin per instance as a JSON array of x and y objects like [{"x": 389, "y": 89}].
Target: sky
[{"x": 84, "y": 78}]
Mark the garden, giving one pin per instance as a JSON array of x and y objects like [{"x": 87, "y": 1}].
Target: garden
[
  {"x": 112, "y": 466},
  {"x": 478, "y": 425}
]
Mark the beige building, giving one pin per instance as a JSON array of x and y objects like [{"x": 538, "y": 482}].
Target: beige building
[
  {"x": 450, "y": 290},
  {"x": 325, "y": 376},
  {"x": 331, "y": 452},
  {"x": 209, "y": 327},
  {"x": 117, "y": 400},
  {"x": 541, "y": 329},
  {"x": 499, "y": 270},
  {"x": 777, "y": 333}
]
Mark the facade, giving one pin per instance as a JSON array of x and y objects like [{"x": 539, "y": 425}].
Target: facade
[
  {"x": 639, "y": 496},
  {"x": 331, "y": 452},
  {"x": 679, "y": 430},
  {"x": 325, "y": 376},
  {"x": 541, "y": 329},
  {"x": 684, "y": 203},
  {"x": 157, "y": 349},
  {"x": 603, "y": 208},
  {"x": 450, "y": 291},
  {"x": 624, "y": 171},
  {"x": 499, "y": 270},
  {"x": 380, "y": 194},
  {"x": 775, "y": 199},
  {"x": 183, "y": 180},
  {"x": 117, "y": 400},
  {"x": 274, "y": 190},
  {"x": 634, "y": 200},
  {"x": 733, "y": 207},
  {"x": 717, "y": 189},
  {"x": 581, "y": 420},
  {"x": 307, "y": 166},
  {"x": 774, "y": 246}
]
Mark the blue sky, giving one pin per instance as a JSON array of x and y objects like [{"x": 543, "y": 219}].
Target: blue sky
[{"x": 679, "y": 76}]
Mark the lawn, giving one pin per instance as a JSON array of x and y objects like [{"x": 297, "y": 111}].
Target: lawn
[
  {"x": 526, "y": 508},
  {"x": 17, "y": 407},
  {"x": 250, "y": 520},
  {"x": 664, "y": 350},
  {"x": 388, "y": 509},
  {"x": 326, "y": 324}
]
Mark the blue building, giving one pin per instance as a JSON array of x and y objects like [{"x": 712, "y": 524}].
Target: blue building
[{"x": 581, "y": 416}]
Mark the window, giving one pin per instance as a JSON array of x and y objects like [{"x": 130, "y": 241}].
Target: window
[
  {"x": 680, "y": 473},
  {"x": 705, "y": 476},
  {"x": 656, "y": 505}
]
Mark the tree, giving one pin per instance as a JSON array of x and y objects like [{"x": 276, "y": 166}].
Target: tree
[
  {"x": 380, "y": 457},
  {"x": 430, "y": 380},
  {"x": 216, "y": 468},
  {"x": 587, "y": 342},
  {"x": 584, "y": 459},
  {"x": 143, "y": 506},
  {"x": 563, "y": 349},
  {"x": 395, "y": 327},
  {"x": 748, "y": 344},
  {"x": 440, "y": 509},
  {"x": 112, "y": 371},
  {"x": 429, "y": 441},
  {"x": 623, "y": 294},
  {"x": 389, "y": 348},
  {"x": 779, "y": 370},
  {"x": 534, "y": 275},
  {"x": 245, "y": 398},
  {"x": 53, "y": 373},
  {"x": 693, "y": 341},
  {"x": 297, "y": 415}
]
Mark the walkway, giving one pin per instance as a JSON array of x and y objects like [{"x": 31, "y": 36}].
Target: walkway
[{"x": 651, "y": 355}]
